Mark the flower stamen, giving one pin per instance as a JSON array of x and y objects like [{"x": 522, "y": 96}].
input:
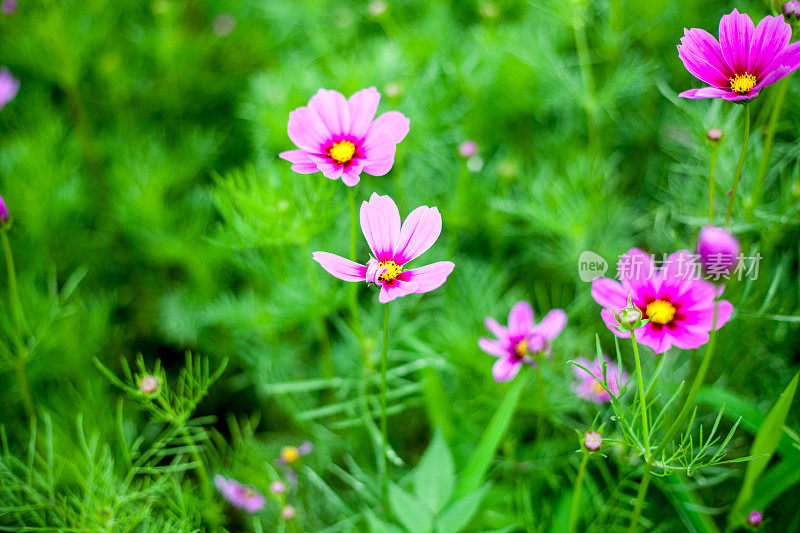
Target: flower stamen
[
  {"x": 660, "y": 311},
  {"x": 521, "y": 348},
  {"x": 392, "y": 270},
  {"x": 742, "y": 83},
  {"x": 342, "y": 151}
]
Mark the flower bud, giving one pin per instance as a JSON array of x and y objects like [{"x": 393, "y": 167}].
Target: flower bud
[
  {"x": 791, "y": 9},
  {"x": 754, "y": 518},
  {"x": 277, "y": 487},
  {"x": 5, "y": 215},
  {"x": 718, "y": 250},
  {"x": 148, "y": 384},
  {"x": 714, "y": 135},
  {"x": 288, "y": 512},
  {"x": 467, "y": 148},
  {"x": 592, "y": 440}
]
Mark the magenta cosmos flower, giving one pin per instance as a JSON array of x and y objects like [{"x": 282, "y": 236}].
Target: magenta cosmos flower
[
  {"x": 743, "y": 61},
  {"x": 9, "y": 86},
  {"x": 678, "y": 304},
  {"x": 588, "y": 385},
  {"x": 238, "y": 495},
  {"x": 393, "y": 246},
  {"x": 339, "y": 137},
  {"x": 522, "y": 338}
]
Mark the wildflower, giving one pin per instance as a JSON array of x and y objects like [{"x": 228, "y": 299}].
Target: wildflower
[
  {"x": 8, "y": 7},
  {"x": 240, "y": 496},
  {"x": 288, "y": 512},
  {"x": 467, "y": 148},
  {"x": 678, "y": 305},
  {"x": 754, "y": 518},
  {"x": 277, "y": 487},
  {"x": 745, "y": 59},
  {"x": 589, "y": 384},
  {"x": 791, "y": 9},
  {"x": 522, "y": 338},
  {"x": 9, "y": 86},
  {"x": 393, "y": 246},
  {"x": 290, "y": 454},
  {"x": 224, "y": 25},
  {"x": 714, "y": 135},
  {"x": 592, "y": 440},
  {"x": 718, "y": 251},
  {"x": 148, "y": 384},
  {"x": 339, "y": 137}
]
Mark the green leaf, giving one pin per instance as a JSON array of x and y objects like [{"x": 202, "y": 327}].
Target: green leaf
[
  {"x": 412, "y": 513},
  {"x": 481, "y": 459},
  {"x": 687, "y": 504},
  {"x": 764, "y": 446},
  {"x": 433, "y": 476},
  {"x": 459, "y": 513}
]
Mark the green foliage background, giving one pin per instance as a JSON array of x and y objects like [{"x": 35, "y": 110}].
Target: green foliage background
[{"x": 151, "y": 215}]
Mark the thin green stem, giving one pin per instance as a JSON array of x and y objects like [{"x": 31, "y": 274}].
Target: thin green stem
[
  {"x": 585, "y": 63},
  {"x": 763, "y": 164},
  {"x": 576, "y": 494},
  {"x": 353, "y": 295},
  {"x": 642, "y": 398},
  {"x": 24, "y": 388},
  {"x": 201, "y": 466},
  {"x": 640, "y": 498},
  {"x": 384, "y": 465},
  {"x": 13, "y": 294},
  {"x": 18, "y": 321},
  {"x": 712, "y": 185},
  {"x": 740, "y": 165}
]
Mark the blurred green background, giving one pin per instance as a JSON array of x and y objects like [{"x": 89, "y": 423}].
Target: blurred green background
[{"x": 139, "y": 160}]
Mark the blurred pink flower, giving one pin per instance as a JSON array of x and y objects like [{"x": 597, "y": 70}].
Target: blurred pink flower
[
  {"x": 754, "y": 518},
  {"x": 679, "y": 305},
  {"x": 588, "y": 385},
  {"x": 288, "y": 512},
  {"x": 791, "y": 9},
  {"x": 339, "y": 137},
  {"x": 522, "y": 338},
  {"x": 718, "y": 250},
  {"x": 277, "y": 487},
  {"x": 745, "y": 59},
  {"x": 592, "y": 440},
  {"x": 468, "y": 148},
  {"x": 9, "y": 86},
  {"x": 4, "y": 213},
  {"x": 393, "y": 246},
  {"x": 238, "y": 495},
  {"x": 8, "y": 7}
]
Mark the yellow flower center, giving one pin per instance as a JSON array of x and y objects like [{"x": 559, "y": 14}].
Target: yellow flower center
[
  {"x": 290, "y": 454},
  {"x": 521, "y": 348},
  {"x": 248, "y": 492},
  {"x": 392, "y": 270},
  {"x": 741, "y": 83},
  {"x": 343, "y": 151},
  {"x": 597, "y": 388},
  {"x": 660, "y": 311}
]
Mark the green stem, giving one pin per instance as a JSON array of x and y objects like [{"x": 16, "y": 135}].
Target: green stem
[
  {"x": 763, "y": 164},
  {"x": 740, "y": 165},
  {"x": 13, "y": 294},
  {"x": 576, "y": 494},
  {"x": 640, "y": 494},
  {"x": 353, "y": 296},
  {"x": 585, "y": 63},
  {"x": 18, "y": 320},
  {"x": 384, "y": 465},
  {"x": 642, "y": 398},
  {"x": 201, "y": 466},
  {"x": 698, "y": 382},
  {"x": 25, "y": 390},
  {"x": 712, "y": 182}
]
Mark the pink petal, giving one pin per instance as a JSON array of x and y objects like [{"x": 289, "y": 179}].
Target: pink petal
[
  {"x": 378, "y": 152},
  {"x": 609, "y": 293},
  {"x": 735, "y": 35},
  {"x": 703, "y": 45},
  {"x": 636, "y": 270},
  {"x": 332, "y": 109},
  {"x": 688, "y": 338},
  {"x": 552, "y": 324},
  {"x": 505, "y": 369},
  {"x": 363, "y": 106},
  {"x": 501, "y": 332},
  {"x": 735, "y": 97},
  {"x": 396, "y": 290},
  {"x": 659, "y": 340},
  {"x": 680, "y": 265},
  {"x": 769, "y": 39},
  {"x": 329, "y": 168},
  {"x": 307, "y": 131},
  {"x": 724, "y": 312},
  {"x": 707, "y": 92},
  {"x": 339, "y": 267},
  {"x": 351, "y": 174},
  {"x": 393, "y": 123},
  {"x": 492, "y": 347},
  {"x": 420, "y": 230},
  {"x": 520, "y": 319},
  {"x": 301, "y": 163},
  {"x": 428, "y": 277},
  {"x": 380, "y": 222}
]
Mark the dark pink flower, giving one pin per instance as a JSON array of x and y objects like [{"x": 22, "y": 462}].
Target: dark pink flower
[
  {"x": 678, "y": 304},
  {"x": 240, "y": 496},
  {"x": 393, "y": 246},
  {"x": 745, "y": 59},
  {"x": 754, "y": 518},
  {"x": 522, "y": 338},
  {"x": 341, "y": 137},
  {"x": 718, "y": 250},
  {"x": 589, "y": 385},
  {"x": 9, "y": 86}
]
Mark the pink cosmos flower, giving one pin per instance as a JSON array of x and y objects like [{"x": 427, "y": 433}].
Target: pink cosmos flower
[
  {"x": 240, "y": 496},
  {"x": 679, "y": 305},
  {"x": 588, "y": 385},
  {"x": 9, "y": 86},
  {"x": 339, "y": 137},
  {"x": 745, "y": 59},
  {"x": 522, "y": 338},
  {"x": 393, "y": 246}
]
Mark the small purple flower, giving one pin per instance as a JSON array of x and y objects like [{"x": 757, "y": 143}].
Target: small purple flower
[
  {"x": 754, "y": 518},
  {"x": 592, "y": 440},
  {"x": 791, "y": 9},
  {"x": 288, "y": 512},
  {"x": 718, "y": 251},
  {"x": 277, "y": 487},
  {"x": 468, "y": 148},
  {"x": 240, "y": 496},
  {"x": 714, "y": 134},
  {"x": 8, "y": 7},
  {"x": 5, "y": 215},
  {"x": 9, "y": 86},
  {"x": 522, "y": 338},
  {"x": 588, "y": 385}
]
